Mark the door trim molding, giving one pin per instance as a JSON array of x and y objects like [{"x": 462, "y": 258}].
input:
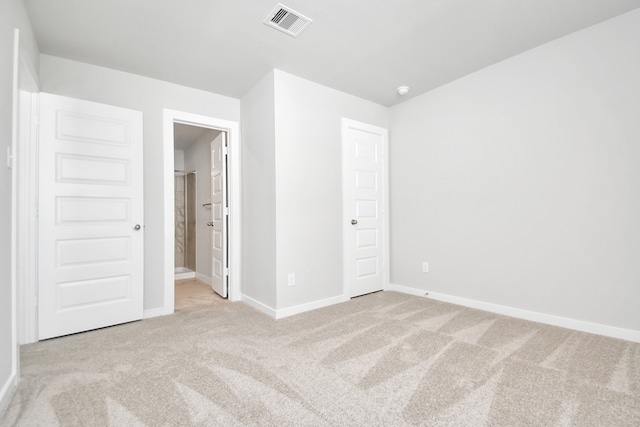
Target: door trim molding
[
  {"x": 235, "y": 202},
  {"x": 27, "y": 203},
  {"x": 346, "y": 167},
  {"x": 27, "y": 222},
  {"x": 9, "y": 387}
]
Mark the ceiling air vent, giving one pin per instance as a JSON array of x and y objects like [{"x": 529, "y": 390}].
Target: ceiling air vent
[{"x": 286, "y": 20}]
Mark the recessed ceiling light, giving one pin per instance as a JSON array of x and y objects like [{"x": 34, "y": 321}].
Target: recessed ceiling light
[{"x": 403, "y": 90}]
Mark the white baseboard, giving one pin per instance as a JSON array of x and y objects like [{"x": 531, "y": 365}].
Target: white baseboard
[
  {"x": 406, "y": 290},
  {"x": 563, "y": 322},
  {"x": 263, "y": 308},
  {"x": 290, "y": 311},
  {"x": 7, "y": 392},
  {"x": 203, "y": 278},
  {"x": 154, "y": 312},
  {"x": 186, "y": 275}
]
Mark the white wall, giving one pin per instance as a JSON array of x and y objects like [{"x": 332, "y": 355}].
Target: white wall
[
  {"x": 258, "y": 194},
  {"x": 309, "y": 185},
  {"x": 178, "y": 159},
  {"x": 520, "y": 183},
  {"x": 198, "y": 158},
  {"x": 13, "y": 16},
  {"x": 93, "y": 83}
]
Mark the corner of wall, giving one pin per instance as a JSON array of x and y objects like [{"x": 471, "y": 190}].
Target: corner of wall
[{"x": 257, "y": 111}]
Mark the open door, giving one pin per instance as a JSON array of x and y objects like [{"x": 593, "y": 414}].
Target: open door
[
  {"x": 219, "y": 215},
  {"x": 90, "y": 248}
]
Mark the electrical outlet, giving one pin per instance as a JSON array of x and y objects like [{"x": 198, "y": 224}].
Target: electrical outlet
[
  {"x": 425, "y": 267},
  {"x": 291, "y": 279}
]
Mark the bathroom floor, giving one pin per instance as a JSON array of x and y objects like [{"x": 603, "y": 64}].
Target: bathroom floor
[{"x": 193, "y": 293}]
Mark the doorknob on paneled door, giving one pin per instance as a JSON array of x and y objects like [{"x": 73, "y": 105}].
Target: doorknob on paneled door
[
  {"x": 354, "y": 221},
  {"x": 210, "y": 223},
  {"x": 137, "y": 227}
]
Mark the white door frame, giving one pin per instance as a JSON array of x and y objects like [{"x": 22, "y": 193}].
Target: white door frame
[
  {"x": 235, "y": 214},
  {"x": 346, "y": 191},
  {"x": 8, "y": 388},
  {"x": 25, "y": 162},
  {"x": 27, "y": 222}
]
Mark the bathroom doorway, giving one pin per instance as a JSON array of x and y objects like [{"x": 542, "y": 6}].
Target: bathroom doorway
[
  {"x": 175, "y": 158},
  {"x": 192, "y": 214}
]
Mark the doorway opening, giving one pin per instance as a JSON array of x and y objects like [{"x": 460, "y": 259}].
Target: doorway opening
[
  {"x": 192, "y": 201},
  {"x": 202, "y": 229},
  {"x": 192, "y": 214}
]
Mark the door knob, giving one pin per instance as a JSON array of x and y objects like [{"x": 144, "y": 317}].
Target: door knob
[
  {"x": 354, "y": 221},
  {"x": 210, "y": 223},
  {"x": 137, "y": 227}
]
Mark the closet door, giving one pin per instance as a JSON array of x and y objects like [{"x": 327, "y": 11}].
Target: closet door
[{"x": 90, "y": 216}]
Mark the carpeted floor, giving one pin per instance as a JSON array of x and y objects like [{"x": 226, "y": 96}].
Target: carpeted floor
[{"x": 385, "y": 359}]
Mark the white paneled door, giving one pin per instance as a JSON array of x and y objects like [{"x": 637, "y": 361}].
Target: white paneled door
[
  {"x": 219, "y": 215},
  {"x": 364, "y": 182},
  {"x": 90, "y": 216}
]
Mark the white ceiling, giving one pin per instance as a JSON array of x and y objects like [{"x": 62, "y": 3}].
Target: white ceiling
[
  {"x": 185, "y": 135},
  {"x": 364, "y": 47}
]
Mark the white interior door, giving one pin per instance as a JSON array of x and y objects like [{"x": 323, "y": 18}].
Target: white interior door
[
  {"x": 90, "y": 247},
  {"x": 364, "y": 181},
  {"x": 219, "y": 215}
]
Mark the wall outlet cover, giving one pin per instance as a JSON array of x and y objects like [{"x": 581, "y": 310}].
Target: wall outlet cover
[{"x": 425, "y": 267}]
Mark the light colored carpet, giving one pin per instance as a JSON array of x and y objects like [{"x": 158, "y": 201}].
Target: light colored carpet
[{"x": 385, "y": 359}]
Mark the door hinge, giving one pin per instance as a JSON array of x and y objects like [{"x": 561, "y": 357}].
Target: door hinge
[
  {"x": 225, "y": 150},
  {"x": 226, "y": 211},
  {"x": 226, "y": 271}
]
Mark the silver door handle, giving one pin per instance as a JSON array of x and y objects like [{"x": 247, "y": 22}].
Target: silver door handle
[
  {"x": 354, "y": 221},
  {"x": 137, "y": 227},
  {"x": 210, "y": 223}
]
